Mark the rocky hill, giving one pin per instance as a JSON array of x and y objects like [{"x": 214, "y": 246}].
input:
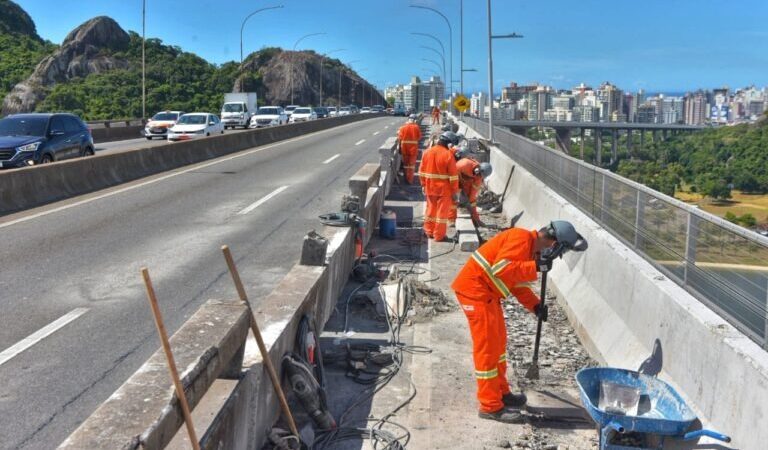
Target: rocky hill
[{"x": 96, "y": 73}]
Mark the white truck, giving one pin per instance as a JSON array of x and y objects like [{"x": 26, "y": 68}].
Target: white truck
[{"x": 238, "y": 109}]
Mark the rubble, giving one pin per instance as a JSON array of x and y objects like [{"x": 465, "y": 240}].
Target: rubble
[{"x": 427, "y": 301}]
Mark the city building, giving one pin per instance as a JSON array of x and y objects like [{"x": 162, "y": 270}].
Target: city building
[
  {"x": 539, "y": 101},
  {"x": 611, "y": 100},
  {"x": 477, "y": 104},
  {"x": 695, "y": 108},
  {"x": 431, "y": 94},
  {"x": 583, "y": 113},
  {"x": 558, "y": 115},
  {"x": 646, "y": 113},
  {"x": 514, "y": 92},
  {"x": 671, "y": 110}
]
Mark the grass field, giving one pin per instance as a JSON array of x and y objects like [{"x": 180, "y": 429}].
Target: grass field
[{"x": 739, "y": 204}]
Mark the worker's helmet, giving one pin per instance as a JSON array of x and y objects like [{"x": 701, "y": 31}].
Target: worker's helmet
[
  {"x": 566, "y": 236},
  {"x": 446, "y": 127},
  {"x": 484, "y": 169},
  {"x": 460, "y": 152},
  {"x": 413, "y": 117},
  {"x": 448, "y": 137}
]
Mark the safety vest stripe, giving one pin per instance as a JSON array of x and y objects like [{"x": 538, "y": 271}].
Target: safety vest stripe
[
  {"x": 409, "y": 142},
  {"x": 499, "y": 266},
  {"x": 503, "y": 357},
  {"x": 453, "y": 177},
  {"x": 435, "y": 176},
  {"x": 486, "y": 374},
  {"x": 480, "y": 259}
]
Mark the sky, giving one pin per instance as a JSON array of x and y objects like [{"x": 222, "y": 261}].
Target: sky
[{"x": 657, "y": 45}]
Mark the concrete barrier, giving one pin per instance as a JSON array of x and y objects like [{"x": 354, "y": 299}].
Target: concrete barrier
[
  {"x": 35, "y": 186},
  {"x": 111, "y": 134},
  {"x": 249, "y": 408},
  {"x": 620, "y": 305}
]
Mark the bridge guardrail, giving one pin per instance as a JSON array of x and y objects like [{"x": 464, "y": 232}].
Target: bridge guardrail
[{"x": 720, "y": 263}]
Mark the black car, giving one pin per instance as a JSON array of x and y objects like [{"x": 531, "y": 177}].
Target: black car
[
  {"x": 29, "y": 139},
  {"x": 322, "y": 112}
]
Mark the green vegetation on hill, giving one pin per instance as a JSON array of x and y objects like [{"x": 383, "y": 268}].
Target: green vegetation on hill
[
  {"x": 710, "y": 162},
  {"x": 19, "y": 54},
  {"x": 176, "y": 80}
]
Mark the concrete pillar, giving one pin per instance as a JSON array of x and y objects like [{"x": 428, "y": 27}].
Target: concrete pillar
[
  {"x": 664, "y": 134},
  {"x": 642, "y": 139},
  {"x": 614, "y": 146},
  {"x": 598, "y": 147},
  {"x": 581, "y": 152},
  {"x": 655, "y": 135},
  {"x": 563, "y": 139},
  {"x": 691, "y": 233},
  {"x": 639, "y": 219},
  {"x": 629, "y": 142}
]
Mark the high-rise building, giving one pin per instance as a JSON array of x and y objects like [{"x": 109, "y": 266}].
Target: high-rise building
[
  {"x": 563, "y": 101},
  {"x": 611, "y": 101},
  {"x": 640, "y": 97},
  {"x": 671, "y": 109},
  {"x": 514, "y": 92},
  {"x": 431, "y": 94},
  {"x": 396, "y": 92},
  {"x": 539, "y": 101},
  {"x": 412, "y": 94},
  {"x": 695, "y": 108},
  {"x": 583, "y": 113},
  {"x": 477, "y": 104},
  {"x": 646, "y": 113},
  {"x": 630, "y": 107}
]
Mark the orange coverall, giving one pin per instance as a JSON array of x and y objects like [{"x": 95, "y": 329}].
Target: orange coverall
[
  {"x": 409, "y": 136},
  {"x": 440, "y": 181},
  {"x": 435, "y": 115},
  {"x": 470, "y": 185},
  {"x": 501, "y": 267}
]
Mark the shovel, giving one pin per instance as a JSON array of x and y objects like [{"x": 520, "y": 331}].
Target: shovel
[{"x": 497, "y": 208}]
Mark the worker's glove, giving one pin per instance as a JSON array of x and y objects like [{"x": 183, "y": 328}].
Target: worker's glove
[
  {"x": 541, "y": 312},
  {"x": 543, "y": 265}
]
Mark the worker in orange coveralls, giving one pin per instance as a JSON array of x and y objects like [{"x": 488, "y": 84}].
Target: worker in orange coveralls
[
  {"x": 471, "y": 176},
  {"x": 435, "y": 115},
  {"x": 500, "y": 268},
  {"x": 409, "y": 136},
  {"x": 440, "y": 181}
]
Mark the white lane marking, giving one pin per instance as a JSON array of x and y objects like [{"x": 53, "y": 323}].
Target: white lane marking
[
  {"x": 360, "y": 142},
  {"x": 170, "y": 175},
  {"x": 331, "y": 158},
  {"x": 262, "y": 200},
  {"x": 40, "y": 334},
  {"x": 386, "y": 126},
  {"x": 376, "y": 133}
]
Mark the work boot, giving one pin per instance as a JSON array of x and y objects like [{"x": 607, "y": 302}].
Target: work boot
[
  {"x": 504, "y": 415},
  {"x": 514, "y": 400},
  {"x": 448, "y": 239}
]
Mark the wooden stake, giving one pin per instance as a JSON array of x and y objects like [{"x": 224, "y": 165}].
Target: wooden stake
[
  {"x": 260, "y": 341},
  {"x": 169, "y": 356}
]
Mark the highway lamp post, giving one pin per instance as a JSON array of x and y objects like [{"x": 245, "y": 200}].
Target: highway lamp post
[
  {"x": 491, "y": 37},
  {"x": 450, "y": 38},
  {"x": 322, "y": 60},
  {"x": 461, "y": 47},
  {"x": 341, "y": 70},
  {"x": 362, "y": 86},
  {"x": 242, "y": 27},
  {"x": 143, "y": 60},
  {"x": 292, "y": 56},
  {"x": 441, "y": 57}
]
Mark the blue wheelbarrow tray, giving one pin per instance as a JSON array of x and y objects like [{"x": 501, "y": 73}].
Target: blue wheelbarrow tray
[{"x": 661, "y": 411}]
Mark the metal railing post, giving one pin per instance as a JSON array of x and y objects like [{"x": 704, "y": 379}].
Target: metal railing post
[
  {"x": 691, "y": 233},
  {"x": 603, "y": 189},
  {"x": 639, "y": 218},
  {"x": 765, "y": 330}
]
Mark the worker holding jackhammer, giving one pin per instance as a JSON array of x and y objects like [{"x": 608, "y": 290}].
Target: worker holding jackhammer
[
  {"x": 471, "y": 177},
  {"x": 408, "y": 138},
  {"x": 503, "y": 267},
  {"x": 440, "y": 181}
]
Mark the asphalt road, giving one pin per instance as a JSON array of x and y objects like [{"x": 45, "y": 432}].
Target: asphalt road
[{"x": 78, "y": 267}]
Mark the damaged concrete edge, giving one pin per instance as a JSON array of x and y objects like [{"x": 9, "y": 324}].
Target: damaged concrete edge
[
  {"x": 619, "y": 304},
  {"x": 144, "y": 412}
]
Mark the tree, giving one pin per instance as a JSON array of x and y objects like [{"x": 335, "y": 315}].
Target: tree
[
  {"x": 747, "y": 220},
  {"x": 731, "y": 217},
  {"x": 391, "y": 101}
]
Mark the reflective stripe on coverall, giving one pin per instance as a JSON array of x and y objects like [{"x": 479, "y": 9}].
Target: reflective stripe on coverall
[
  {"x": 501, "y": 267},
  {"x": 440, "y": 181},
  {"x": 409, "y": 136}
]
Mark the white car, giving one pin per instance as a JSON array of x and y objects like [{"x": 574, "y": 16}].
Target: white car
[
  {"x": 303, "y": 114},
  {"x": 345, "y": 111},
  {"x": 159, "y": 124},
  {"x": 289, "y": 110},
  {"x": 195, "y": 125},
  {"x": 268, "y": 116},
  {"x": 365, "y": 110},
  {"x": 333, "y": 111}
]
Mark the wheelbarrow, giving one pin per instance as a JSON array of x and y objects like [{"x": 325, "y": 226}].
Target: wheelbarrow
[{"x": 657, "y": 410}]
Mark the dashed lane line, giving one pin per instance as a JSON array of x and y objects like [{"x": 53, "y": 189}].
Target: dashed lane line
[
  {"x": 331, "y": 158},
  {"x": 262, "y": 200},
  {"x": 40, "y": 334},
  {"x": 360, "y": 142},
  {"x": 376, "y": 133}
]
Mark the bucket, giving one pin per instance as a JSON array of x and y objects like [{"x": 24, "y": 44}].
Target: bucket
[{"x": 388, "y": 224}]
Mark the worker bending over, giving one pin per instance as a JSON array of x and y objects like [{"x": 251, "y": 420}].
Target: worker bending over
[
  {"x": 503, "y": 267},
  {"x": 440, "y": 181},
  {"x": 471, "y": 176},
  {"x": 408, "y": 137}
]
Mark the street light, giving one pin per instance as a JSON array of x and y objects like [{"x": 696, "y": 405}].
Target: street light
[
  {"x": 441, "y": 57},
  {"x": 322, "y": 60},
  {"x": 362, "y": 85},
  {"x": 450, "y": 35},
  {"x": 341, "y": 69},
  {"x": 294, "y": 49},
  {"x": 242, "y": 27},
  {"x": 433, "y": 62},
  {"x": 491, "y": 37},
  {"x": 143, "y": 60}
]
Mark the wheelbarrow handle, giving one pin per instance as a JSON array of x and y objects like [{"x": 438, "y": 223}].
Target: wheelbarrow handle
[{"x": 709, "y": 433}]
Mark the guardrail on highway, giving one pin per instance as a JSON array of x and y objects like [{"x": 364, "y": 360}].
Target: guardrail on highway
[
  {"x": 97, "y": 124},
  {"x": 720, "y": 263}
]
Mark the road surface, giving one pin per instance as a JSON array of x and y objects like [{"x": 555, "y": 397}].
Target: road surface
[{"x": 71, "y": 282}]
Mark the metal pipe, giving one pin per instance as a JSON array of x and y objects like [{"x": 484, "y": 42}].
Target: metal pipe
[
  {"x": 450, "y": 37},
  {"x": 490, "y": 76},
  {"x": 438, "y": 54}
]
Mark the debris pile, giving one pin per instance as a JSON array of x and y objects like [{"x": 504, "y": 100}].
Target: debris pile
[
  {"x": 426, "y": 301},
  {"x": 487, "y": 200}
]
